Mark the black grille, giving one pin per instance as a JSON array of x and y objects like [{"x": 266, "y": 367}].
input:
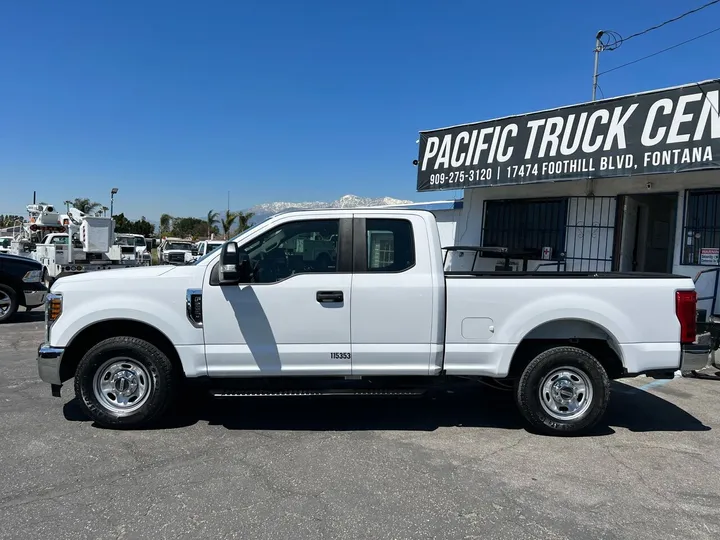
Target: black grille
[{"x": 176, "y": 257}]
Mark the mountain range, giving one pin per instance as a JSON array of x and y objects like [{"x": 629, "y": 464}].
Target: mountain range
[{"x": 264, "y": 211}]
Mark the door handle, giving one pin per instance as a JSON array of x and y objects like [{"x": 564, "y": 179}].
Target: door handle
[{"x": 325, "y": 297}]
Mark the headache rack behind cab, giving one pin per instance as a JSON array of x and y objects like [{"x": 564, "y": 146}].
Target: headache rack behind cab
[{"x": 501, "y": 252}]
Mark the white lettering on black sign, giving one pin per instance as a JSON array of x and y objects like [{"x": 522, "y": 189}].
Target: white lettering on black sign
[{"x": 659, "y": 132}]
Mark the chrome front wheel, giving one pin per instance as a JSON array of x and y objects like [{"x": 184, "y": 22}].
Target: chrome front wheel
[
  {"x": 122, "y": 385},
  {"x": 126, "y": 382}
]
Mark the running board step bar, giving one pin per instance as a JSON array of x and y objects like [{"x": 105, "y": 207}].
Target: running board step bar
[{"x": 298, "y": 393}]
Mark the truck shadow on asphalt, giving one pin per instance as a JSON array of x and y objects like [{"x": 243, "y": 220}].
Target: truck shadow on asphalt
[{"x": 629, "y": 408}]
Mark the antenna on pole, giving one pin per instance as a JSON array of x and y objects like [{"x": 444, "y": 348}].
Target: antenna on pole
[{"x": 228, "y": 207}]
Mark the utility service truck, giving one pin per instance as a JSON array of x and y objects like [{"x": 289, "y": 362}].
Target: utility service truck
[
  {"x": 67, "y": 244},
  {"x": 258, "y": 318}
]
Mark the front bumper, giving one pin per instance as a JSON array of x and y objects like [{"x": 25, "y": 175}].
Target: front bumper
[
  {"x": 49, "y": 360},
  {"x": 697, "y": 355},
  {"x": 35, "y": 298}
]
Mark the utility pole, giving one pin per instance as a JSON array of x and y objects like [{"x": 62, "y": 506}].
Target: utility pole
[
  {"x": 598, "y": 49},
  {"x": 228, "y": 206}
]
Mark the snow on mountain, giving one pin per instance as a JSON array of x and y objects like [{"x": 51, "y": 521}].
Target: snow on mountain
[{"x": 263, "y": 211}]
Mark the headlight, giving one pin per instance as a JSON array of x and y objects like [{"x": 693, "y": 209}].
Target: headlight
[
  {"x": 33, "y": 276},
  {"x": 53, "y": 309}
]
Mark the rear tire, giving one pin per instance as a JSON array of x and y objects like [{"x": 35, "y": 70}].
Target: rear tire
[
  {"x": 563, "y": 391},
  {"x": 8, "y": 303},
  {"x": 125, "y": 382}
]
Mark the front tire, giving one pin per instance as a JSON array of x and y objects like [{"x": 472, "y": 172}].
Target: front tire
[
  {"x": 8, "y": 303},
  {"x": 125, "y": 382},
  {"x": 563, "y": 391}
]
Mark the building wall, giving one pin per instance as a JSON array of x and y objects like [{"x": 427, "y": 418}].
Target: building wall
[{"x": 469, "y": 220}]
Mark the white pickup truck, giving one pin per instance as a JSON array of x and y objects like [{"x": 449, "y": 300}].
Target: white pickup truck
[{"x": 380, "y": 316}]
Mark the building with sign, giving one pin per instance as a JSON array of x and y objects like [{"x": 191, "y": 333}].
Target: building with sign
[{"x": 622, "y": 184}]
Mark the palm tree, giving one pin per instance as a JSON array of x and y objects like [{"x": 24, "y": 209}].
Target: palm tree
[
  {"x": 86, "y": 205},
  {"x": 165, "y": 223},
  {"x": 228, "y": 221},
  {"x": 104, "y": 211},
  {"x": 212, "y": 219},
  {"x": 244, "y": 220}
]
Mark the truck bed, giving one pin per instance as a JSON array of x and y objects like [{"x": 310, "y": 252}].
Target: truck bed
[{"x": 487, "y": 318}]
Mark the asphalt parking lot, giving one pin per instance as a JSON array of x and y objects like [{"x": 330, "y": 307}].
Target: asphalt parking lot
[{"x": 460, "y": 466}]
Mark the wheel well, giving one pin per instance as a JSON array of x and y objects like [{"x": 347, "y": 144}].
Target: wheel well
[
  {"x": 100, "y": 331},
  {"x": 582, "y": 334}
]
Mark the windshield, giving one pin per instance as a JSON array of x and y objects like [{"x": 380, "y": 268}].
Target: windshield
[
  {"x": 178, "y": 245},
  {"x": 210, "y": 247},
  {"x": 124, "y": 241}
]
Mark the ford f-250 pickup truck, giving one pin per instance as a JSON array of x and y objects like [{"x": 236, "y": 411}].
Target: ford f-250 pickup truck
[{"x": 258, "y": 317}]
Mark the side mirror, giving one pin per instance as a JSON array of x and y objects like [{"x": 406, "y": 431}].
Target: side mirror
[
  {"x": 229, "y": 272},
  {"x": 234, "y": 265}
]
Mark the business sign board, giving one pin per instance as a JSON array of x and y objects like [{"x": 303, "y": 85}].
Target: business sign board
[{"x": 664, "y": 131}]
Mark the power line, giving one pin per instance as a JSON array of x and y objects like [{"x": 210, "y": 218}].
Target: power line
[
  {"x": 661, "y": 51},
  {"x": 622, "y": 40},
  {"x": 609, "y": 40}
]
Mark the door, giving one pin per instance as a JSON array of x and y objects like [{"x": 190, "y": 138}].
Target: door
[
  {"x": 628, "y": 239},
  {"x": 392, "y": 297},
  {"x": 293, "y": 318}
]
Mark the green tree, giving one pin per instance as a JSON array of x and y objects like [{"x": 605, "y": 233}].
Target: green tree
[
  {"x": 212, "y": 219},
  {"x": 122, "y": 224},
  {"x": 188, "y": 226},
  {"x": 86, "y": 205},
  {"x": 104, "y": 211},
  {"x": 227, "y": 222},
  {"x": 142, "y": 226},
  {"x": 166, "y": 223},
  {"x": 244, "y": 220}
]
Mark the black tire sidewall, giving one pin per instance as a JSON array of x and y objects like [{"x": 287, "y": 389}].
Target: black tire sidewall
[
  {"x": 528, "y": 395},
  {"x": 13, "y": 303},
  {"x": 152, "y": 359}
]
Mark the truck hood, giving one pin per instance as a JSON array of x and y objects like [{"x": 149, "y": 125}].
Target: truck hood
[
  {"x": 119, "y": 273},
  {"x": 169, "y": 251},
  {"x": 31, "y": 264}
]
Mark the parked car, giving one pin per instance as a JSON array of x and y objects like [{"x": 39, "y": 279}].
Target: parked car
[
  {"x": 20, "y": 285},
  {"x": 202, "y": 248},
  {"x": 173, "y": 250},
  {"x": 5, "y": 242},
  {"x": 378, "y": 315}
]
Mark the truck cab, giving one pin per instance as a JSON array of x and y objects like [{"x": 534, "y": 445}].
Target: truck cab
[
  {"x": 133, "y": 248},
  {"x": 174, "y": 251},
  {"x": 202, "y": 248},
  {"x": 5, "y": 242}
]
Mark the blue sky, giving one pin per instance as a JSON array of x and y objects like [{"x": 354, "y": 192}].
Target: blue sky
[{"x": 177, "y": 102}]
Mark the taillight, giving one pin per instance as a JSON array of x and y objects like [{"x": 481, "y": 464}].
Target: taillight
[{"x": 685, "y": 309}]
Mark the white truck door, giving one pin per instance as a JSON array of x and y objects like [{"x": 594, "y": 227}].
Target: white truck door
[
  {"x": 294, "y": 316},
  {"x": 393, "y": 302}
]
